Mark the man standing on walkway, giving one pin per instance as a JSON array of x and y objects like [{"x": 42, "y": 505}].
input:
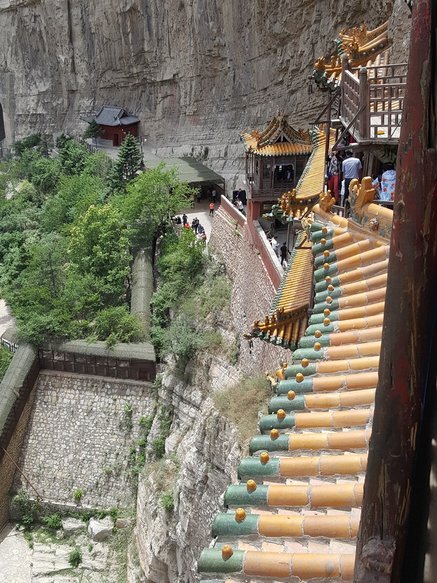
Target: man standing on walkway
[
  {"x": 211, "y": 209},
  {"x": 351, "y": 168}
]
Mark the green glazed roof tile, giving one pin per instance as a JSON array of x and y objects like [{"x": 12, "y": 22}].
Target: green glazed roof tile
[
  {"x": 298, "y": 368},
  {"x": 319, "y": 248},
  {"x": 308, "y": 342},
  {"x": 306, "y": 386},
  {"x": 226, "y": 525},
  {"x": 321, "y": 273},
  {"x": 322, "y": 285},
  {"x": 283, "y": 402},
  {"x": 238, "y": 495},
  {"x": 321, "y": 296},
  {"x": 324, "y": 329},
  {"x": 320, "y": 306},
  {"x": 251, "y": 467},
  {"x": 266, "y": 443},
  {"x": 310, "y": 353},
  {"x": 316, "y": 226},
  {"x": 268, "y": 422},
  {"x": 211, "y": 561},
  {"x": 321, "y": 259},
  {"x": 318, "y": 318}
]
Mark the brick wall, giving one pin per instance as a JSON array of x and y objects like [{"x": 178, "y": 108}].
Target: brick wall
[
  {"x": 253, "y": 289},
  {"x": 80, "y": 436}
]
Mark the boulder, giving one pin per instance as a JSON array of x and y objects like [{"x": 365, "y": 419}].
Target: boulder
[
  {"x": 123, "y": 522},
  {"x": 99, "y": 530},
  {"x": 71, "y": 526}
]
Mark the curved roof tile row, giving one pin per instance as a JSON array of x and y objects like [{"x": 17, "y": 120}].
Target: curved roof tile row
[{"x": 294, "y": 515}]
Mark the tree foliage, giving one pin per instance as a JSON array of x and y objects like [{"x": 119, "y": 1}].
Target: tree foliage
[
  {"x": 152, "y": 200},
  {"x": 93, "y": 130},
  {"x": 128, "y": 163},
  {"x": 66, "y": 242}
]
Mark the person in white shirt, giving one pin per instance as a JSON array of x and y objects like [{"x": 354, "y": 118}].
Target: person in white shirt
[
  {"x": 351, "y": 169},
  {"x": 275, "y": 245}
]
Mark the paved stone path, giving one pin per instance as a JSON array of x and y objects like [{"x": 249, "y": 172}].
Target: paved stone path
[{"x": 15, "y": 557}]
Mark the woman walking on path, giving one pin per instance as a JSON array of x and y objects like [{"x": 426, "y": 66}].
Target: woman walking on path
[{"x": 211, "y": 209}]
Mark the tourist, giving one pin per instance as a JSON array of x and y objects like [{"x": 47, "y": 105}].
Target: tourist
[
  {"x": 351, "y": 169},
  {"x": 284, "y": 252},
  {"x": 333, "y": 176},
  {"x": 213, "y": 195},
  {"x": 184, "y": 219},
  {"x": 240, "y": 206},
  {"x": 195, "y": 224},
  {"x": 388, "y": 183},
  {"x": 211, "y": 208},
  {"x": 275, "y": 245}
]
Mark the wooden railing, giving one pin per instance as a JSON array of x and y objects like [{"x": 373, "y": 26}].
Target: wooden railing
[
  {"x": 270, "y": 193},
  {"x": 372, "y": 101}
]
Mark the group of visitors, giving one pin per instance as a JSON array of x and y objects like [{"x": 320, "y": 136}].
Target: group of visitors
[
  {"x": 342, "y": 170},
  {"x": 196, "y": 227},
  {"x": 281, "y": 251}
]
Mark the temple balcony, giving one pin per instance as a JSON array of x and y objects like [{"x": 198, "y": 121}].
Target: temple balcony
[{"x": 372, "y": 100}]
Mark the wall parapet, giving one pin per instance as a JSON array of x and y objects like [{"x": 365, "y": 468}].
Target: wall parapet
[
  {"x": 229, "y": 208},
  {"x": 15, "y": 389},
  {"x": 124, "y": 361}
]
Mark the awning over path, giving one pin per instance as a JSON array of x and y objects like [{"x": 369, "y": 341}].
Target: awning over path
[{"x": 189, "y": 169}]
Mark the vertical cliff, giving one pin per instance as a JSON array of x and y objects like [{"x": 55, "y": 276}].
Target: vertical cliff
[{"x": 196, "y": 72}]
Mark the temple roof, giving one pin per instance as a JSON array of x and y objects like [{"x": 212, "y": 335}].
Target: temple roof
[
  {"x": 359, "y": 44},
  {"x": 295, "y": 511},
  {"x": 299, "y": 201},
  {"x": 287, "y": 320},
  {"x": 278, "y": 139},
  {"x": 110, "y": 115}
]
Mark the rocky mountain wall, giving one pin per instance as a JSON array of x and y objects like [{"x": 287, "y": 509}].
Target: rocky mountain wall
[{"x": 196, "y": 72}]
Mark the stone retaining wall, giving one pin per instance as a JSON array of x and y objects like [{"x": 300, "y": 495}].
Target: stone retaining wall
[
  {"x": 253, "y": 290},
  {"x": 16, "y": 397},
  {"x": 81, "y": 434}
]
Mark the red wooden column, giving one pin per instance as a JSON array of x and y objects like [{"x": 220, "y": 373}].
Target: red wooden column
[{"x": 406, "y": 385}]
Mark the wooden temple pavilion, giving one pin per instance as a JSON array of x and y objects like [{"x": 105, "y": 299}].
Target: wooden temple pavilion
[
  {"x": 115, "y": 124},
  {"x": 366, "y": 94},
  {"x": 275, "y": 160}
]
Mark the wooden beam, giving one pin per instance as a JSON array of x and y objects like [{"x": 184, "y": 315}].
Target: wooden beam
[{"x": 406, "y": 372}]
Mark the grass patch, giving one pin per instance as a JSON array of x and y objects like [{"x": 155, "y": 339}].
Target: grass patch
[
  {"x": 242, "y": 403},
  {"x": 75, "y": 557}
]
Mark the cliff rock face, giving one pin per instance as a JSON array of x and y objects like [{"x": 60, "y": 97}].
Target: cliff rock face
[
  {"x": 196, "y": 72},
  {"x": 179, "y": 494}
]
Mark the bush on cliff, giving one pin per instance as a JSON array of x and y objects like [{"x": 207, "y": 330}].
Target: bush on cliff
[{"x": 251, "y": 396}]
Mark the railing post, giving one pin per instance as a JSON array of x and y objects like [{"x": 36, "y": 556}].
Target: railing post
[
  {"x": 364, "y": 118},
  {"x": 344, "y": 68}
]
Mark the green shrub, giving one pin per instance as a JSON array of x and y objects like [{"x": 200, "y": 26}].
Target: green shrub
[
  {"x": 158, "y": 447},
  {"x": 28, "y": 510},
  {"x": 5, "y": 359},
  {"x": 77, "y": 495},
  {"x": 75, "y": 557},
  {"x": 116, "y": 324},
  {"x": 242, "y": 402},
  {"x": 167, "y": 501},
  {"x": 53, "y": 522}
]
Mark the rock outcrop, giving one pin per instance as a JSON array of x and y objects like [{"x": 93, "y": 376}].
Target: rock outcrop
[{"x": 179, "y": 494}]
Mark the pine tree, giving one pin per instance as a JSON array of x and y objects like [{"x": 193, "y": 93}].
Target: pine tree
[
  {"x": 129, "y": 161},
  {"x": 92, "y": 131}
]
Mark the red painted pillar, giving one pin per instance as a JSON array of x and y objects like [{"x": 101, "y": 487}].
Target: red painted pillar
[{"x": 406, "y": 385}]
